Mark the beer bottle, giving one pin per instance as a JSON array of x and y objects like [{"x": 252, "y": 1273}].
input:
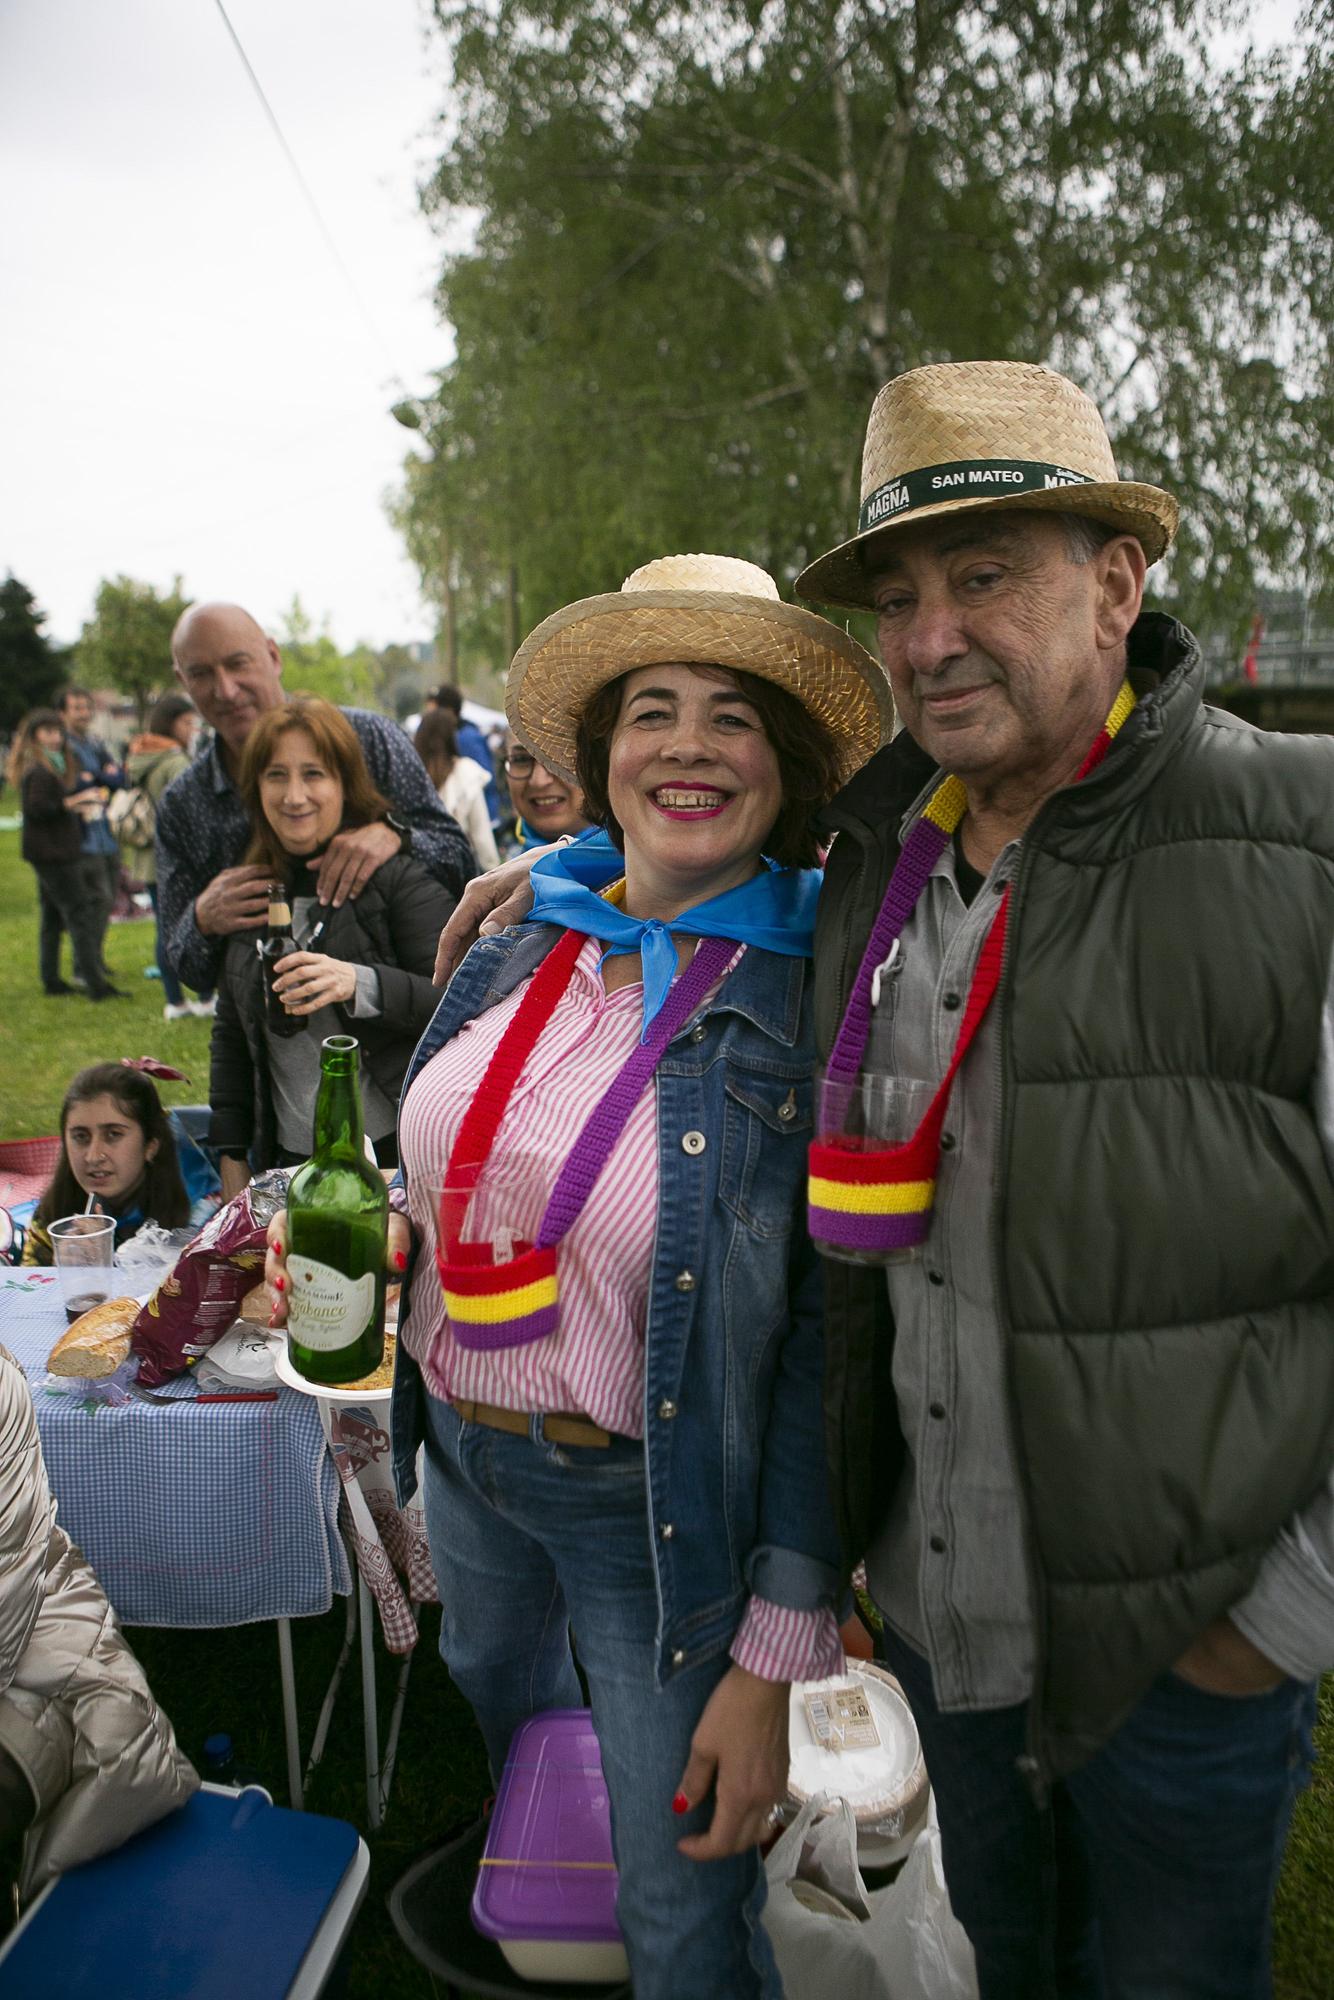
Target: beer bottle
[
  {"x": 273, "y": 947},
  {"x": 337, "y": 1227}
]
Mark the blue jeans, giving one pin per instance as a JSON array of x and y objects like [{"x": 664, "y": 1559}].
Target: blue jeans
[
  {"x": 171, "y": 985},
  {"x": 526, "y": 1538},
  {"x": 1151, "y": 1874}
]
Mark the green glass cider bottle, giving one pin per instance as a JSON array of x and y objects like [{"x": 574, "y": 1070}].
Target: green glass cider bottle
[{"x": 337, "y": 1226}]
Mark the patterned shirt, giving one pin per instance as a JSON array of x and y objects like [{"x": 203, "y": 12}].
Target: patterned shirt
[
  {"x": 594, "y": 1364},
  {"x": 202, "y": 828}
]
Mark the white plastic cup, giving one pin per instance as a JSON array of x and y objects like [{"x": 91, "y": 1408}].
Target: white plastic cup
[{"x": 84, "y": 1249}]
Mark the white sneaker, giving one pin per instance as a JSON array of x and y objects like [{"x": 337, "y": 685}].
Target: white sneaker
[
  {"x": 176, "y": 1011},
  {"x": 203, "y": 1010}
]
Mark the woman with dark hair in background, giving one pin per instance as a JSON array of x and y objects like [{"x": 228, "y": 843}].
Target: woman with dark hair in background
[
  {"x": 155, "y": 758},
  {"x": 303, "y": 778},
  {"x": 117, "y": 1148},
  {"x": 460, "y": 780},
  {"x": 69, "y": 887}
]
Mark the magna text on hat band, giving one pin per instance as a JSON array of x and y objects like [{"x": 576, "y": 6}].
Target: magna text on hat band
[{"x": 965, "y": 479}]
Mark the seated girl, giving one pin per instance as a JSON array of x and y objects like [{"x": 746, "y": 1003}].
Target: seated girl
[
  {"x": 117, "y": 1146},
  {"x": 303, "y": 779}
]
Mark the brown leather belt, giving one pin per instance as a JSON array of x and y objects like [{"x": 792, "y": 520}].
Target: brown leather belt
[{"x": 556, "y": 1429}]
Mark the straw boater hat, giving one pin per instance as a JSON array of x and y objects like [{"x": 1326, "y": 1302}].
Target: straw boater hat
[
  {"x": 700, "y": 611},
  {"x": 972, "y": 434}
]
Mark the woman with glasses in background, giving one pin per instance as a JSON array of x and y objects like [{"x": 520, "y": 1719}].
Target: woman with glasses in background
[{"x": 545, "y": 805}]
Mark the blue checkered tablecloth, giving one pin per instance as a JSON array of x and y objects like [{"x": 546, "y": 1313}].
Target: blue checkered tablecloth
[{"x": 190, "y": 1513}]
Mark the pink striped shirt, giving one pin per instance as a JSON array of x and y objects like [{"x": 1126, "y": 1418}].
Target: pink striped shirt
[{"x": 593, "y": 1365}]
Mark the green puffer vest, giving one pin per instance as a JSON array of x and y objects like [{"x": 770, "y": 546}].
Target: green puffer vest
[{"x": 1164, "y": 1223}]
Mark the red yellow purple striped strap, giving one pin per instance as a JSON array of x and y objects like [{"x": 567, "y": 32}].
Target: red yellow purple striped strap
[
  {"x": 926, "y": 842},
  {"x": 879, "y": 1199},
  {"x": 492, "y": 1305}
]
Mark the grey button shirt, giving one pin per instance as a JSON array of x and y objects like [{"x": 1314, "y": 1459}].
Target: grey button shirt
[{"x": 949, "y": 1567}]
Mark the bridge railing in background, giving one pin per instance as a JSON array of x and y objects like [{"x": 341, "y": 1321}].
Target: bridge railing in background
[{"x": 1296, "y": 650}]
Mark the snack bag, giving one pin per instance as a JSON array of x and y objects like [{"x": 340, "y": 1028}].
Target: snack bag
[{"x": 201, "y": 1296}]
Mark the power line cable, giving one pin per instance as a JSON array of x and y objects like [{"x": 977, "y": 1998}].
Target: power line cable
[{"x": 354, "y": 290}]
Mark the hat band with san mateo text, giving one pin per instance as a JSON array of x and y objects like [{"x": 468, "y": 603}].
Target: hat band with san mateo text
[{"x": 968, "y": 478}]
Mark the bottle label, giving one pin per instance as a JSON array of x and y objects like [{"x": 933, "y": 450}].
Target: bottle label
[{"x": 327, "y": 1310}]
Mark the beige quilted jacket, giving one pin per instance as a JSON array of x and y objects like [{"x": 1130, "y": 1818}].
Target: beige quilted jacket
[{"x": 76, "y": 1714}]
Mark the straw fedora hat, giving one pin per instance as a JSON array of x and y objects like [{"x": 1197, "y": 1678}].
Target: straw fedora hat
[
  {"x": 965, "y": 435},
  {"x": 700, "y": 611}
]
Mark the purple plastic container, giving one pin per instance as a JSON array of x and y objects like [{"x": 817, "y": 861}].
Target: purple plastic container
[{"x": 546, "y": 1887}]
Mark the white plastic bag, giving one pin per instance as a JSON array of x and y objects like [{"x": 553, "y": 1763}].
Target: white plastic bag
[
  {"x": 909, "y": 1945},
  {"x": 242, "y": 1358},
  {"x": 152, "y": 1250}
]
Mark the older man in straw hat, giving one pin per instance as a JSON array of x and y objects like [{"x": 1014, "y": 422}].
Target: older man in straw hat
[{"x": 1080, "y": 1402}]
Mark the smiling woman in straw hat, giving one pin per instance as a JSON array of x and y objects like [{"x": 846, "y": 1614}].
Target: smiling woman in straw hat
[{"x": 612, "y": 1348}]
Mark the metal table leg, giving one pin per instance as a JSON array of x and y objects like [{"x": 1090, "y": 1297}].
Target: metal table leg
[
  {"x": 370, "y": 1724},
  {"x": 296, "y": 1791},
  {"x": 296, "y": 1782}
]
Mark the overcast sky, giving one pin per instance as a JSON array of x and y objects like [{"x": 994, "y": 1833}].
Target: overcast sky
[
  {"x": 186, "y": 384},
  {"x": 185, "y": 381}
]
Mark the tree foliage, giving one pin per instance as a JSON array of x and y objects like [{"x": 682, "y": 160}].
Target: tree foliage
[
  {"x": 31, "y": 668},
  {"x": 705, "y": 237},
  {"x": 312, "y": 663},
  {"x": 127, "y": 643}
]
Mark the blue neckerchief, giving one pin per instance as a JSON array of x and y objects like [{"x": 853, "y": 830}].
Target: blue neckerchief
[{"x": 774, "y": 910}]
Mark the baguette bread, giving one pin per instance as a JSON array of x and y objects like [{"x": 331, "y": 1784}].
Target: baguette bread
[{"x": 97, "y": 1342}]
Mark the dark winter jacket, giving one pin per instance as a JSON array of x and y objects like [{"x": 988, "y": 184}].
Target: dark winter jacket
[
  {"x": 1163, "y": 1220},
  {"x": 393, "y": 926},
  {"x": 50, "y": 831}
]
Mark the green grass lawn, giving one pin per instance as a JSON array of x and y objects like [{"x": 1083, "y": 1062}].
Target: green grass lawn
[
  {"x": 229, "y": 1679},
  {"x": 44, "y": 1042}
]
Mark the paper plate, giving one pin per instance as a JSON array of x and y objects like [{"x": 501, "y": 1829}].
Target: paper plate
[
  {"x": 812, "y": 1897},
  {"x": 328, "y": 1392},
  {"x": 881, "y": 1784}
]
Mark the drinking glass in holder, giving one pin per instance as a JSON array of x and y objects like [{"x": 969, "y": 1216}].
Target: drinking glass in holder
[
  {"x": 871, "y": 1188},
  {"x": 499, "y": 1290}
]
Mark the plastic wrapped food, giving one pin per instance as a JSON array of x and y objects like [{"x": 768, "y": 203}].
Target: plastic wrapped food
[{"x": 201, "y": 1296}]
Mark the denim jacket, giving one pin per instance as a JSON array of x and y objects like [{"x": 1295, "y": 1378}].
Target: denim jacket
[{"x": 734, "y": 1453}]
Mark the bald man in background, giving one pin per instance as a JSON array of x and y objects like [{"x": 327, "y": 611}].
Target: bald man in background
[{"x": 232, "y": 671}]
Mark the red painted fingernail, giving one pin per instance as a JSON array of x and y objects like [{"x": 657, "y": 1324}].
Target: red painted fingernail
[
  {"x": 401, "y": 1259},
  {"x": 680, "y": 1804},
  {"x": 280, "y": 1284}
]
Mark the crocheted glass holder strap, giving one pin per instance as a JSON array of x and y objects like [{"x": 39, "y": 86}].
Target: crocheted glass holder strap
[
  {"x": 492, "y": 1305},
  {"x": 922, "y": 849},
  {"x": 874, "y": 1201},
  {"x": 607, "y": 1120},
  {"x": 878, "y": 1199}
]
